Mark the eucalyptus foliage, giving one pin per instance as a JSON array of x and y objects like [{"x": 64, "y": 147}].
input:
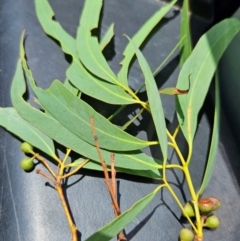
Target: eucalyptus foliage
[{"x": 64, "y": 116}]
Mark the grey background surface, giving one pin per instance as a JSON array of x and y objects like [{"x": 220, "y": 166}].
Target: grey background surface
[{"x": 30, "y": 210}]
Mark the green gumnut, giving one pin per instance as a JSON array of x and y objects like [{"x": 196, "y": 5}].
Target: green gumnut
[
  {"x": 205, "y": 205},
  {"x": 212, "y": 222},
  {"x": 188, "y": 208},
  {"x": 216, "y": 203},
  {"x": 27, "y": 164},
  {"x": 27, "y": 148},
  {"x": 186, "y": 235}
]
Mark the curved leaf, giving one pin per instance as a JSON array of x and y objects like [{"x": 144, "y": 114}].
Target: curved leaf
[
  {"x": 132, "y": 167},
  {"x": 137, "y": 163},
  {"x": 214, "y": 142},
  {"x": 23, "y": 129},
  {"x": 74, "y": 114},
  {"x": 139, "y": 38},
  {"x": 76, "y": 72},
  {"x": 201, "y": 65},
  {"x": 154, "y": 102},
  {"x": 186, "y": 45},
  {"x": 87, "y": 45},
  {"x": 15, "y": 124},
  {"x": 107, "y": 37},
  {"x": 97, "y": 88},
  {"x": 118, "y": 224}
]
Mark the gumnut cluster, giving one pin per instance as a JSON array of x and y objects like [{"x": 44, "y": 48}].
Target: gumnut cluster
[
  {"x": 27, "y": 163},
  {"x": 209, "y": 220}
]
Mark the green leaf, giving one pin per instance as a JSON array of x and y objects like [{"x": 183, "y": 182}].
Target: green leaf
[
  {"x": 139, "y": 38},
  {"x": 23, "y": 129},
  {"x": 154, "y": 101},
  {"x": 186, "y": 46},
  {"x": 136, "y": 162},
  {"x": 45, "y": 16},
  {"x": 131, "y": 168},
  {"x": 201, "y": 65},
  {"x": 76, "y": 73},
  {"x": 107, "y": 37},
  {"x": 89, "y": 50},
  {"x": 90, "y": 14},
  {"x": 214, "y": 142},
  {"x": 15, "y": 124},
  {"x": 97, "y": 88},
  {"x": 74, "y": 114},
  {"x": 118, "y": 224}
]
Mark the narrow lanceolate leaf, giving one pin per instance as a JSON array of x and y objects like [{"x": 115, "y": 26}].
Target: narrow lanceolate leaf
[
  {"x": 132, "y": 167},
  {"x": 107, "y": 37},
  {"x": 201, "y": 65},
  {"x": 90, "y": 14},
  {"x": 96, "y": 87},
  {"x": 139, "y": 38},
  {"x": 214, "y": 142},
  {"x": 186, "y": 45},
  {"x": 154, "y": 101},
  {"x": 117, "y": 225},
  {"x": 87, "y": 45},
  {"x": 136, "y": 162},
  {"x": 76, "y": 73},
  {"x": 74, "y": 114},
  {"x": 15, "y": 124},
  {"x": 45, "y": 16}
]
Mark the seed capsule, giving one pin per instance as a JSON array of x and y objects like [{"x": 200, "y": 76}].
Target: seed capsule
[
  {"x": 205, "y": 205},
  {"x": 27, "y": 164},
  {"x": 188, "y": 208},
  {"x": 186, "y": 235},
  {"x": 27, "y": 148},
  {"x": 212, "y": 222},
  {"x": 216, "y": 203}
]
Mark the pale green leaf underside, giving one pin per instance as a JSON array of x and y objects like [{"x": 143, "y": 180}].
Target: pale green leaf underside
[
  {"x": 154, "y": 102},
  {"x": 201, "y": 65},
  {"x": 139, "y": 38},
  {"x": 117, "y": 225},
  {"x": 214, "y": 142}
]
